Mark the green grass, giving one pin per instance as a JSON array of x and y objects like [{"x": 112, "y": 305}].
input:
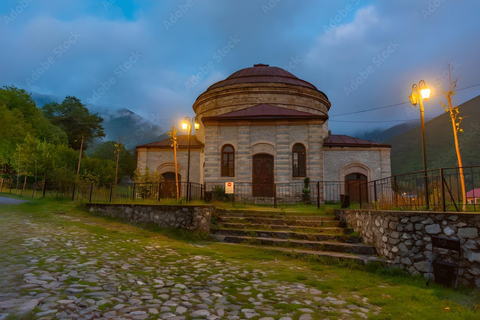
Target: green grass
[{"x": 396, "y": 294}]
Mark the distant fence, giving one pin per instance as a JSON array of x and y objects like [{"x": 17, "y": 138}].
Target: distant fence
[{"x": 438, "y": 190}]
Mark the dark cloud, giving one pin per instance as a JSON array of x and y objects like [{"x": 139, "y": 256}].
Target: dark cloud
[{"x": 155, "y": 58}]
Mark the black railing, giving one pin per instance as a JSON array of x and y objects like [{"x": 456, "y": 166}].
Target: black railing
[{"x": 438, "y": 189}]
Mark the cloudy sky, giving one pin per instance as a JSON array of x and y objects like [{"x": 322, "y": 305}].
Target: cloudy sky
[{"x": 156, "y": 57}]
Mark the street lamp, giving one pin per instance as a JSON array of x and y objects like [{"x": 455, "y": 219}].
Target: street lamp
[
  {"x": 187, "y": 125},
  {"x": 421, "y": 92}
]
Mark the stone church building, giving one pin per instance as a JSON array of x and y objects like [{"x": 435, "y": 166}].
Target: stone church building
[{"x": 260, "y": 126}]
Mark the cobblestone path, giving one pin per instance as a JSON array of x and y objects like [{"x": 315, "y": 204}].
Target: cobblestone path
[{"x": 83, "y": 271}]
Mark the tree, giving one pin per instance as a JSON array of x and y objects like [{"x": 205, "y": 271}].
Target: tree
[
  {"x": 12, "y": 130},
  {"x": 73, "y": 117},
  {"x": 456, "y": 120},
  {"x": 18, "y": 101},
  {"x": 127, "y": 158}
]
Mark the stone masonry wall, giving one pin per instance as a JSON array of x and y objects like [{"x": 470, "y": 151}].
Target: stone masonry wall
[
  {"x": 405, "y": 237},
  {"x": 193, "y": 218}
]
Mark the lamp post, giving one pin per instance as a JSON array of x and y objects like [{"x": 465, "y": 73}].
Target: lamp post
[
  {"x": 420, "y": 92},
  {"x": 187, "y": 125}
]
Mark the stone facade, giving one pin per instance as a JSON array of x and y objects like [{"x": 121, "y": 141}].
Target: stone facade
[
  {"x": 405, "y": 237},
  {"x": 276, "y": 140},
  {"x": 162, "y": 160},
  {"x": 266, "y": 110},
  {"x": 372, "y": 162},
  {"x": 192, "y": 218}
]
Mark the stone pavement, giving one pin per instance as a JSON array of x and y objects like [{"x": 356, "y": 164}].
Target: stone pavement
[
  {"x": 4, "y": 200},
  {"x": 84, "y": 272}
]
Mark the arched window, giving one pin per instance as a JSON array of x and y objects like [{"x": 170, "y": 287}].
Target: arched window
[
  {"x": 299, "y": 164},
  {"x": 228, "y": 161}
]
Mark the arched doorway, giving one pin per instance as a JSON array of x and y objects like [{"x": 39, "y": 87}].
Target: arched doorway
[
  {"x": 356, "y": 187},
  {"x": 168, "y": 185},
  {"x": 262, "y": 175}
]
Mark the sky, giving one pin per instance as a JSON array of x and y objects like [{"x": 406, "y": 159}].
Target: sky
[{"x": 156, "y": 57}]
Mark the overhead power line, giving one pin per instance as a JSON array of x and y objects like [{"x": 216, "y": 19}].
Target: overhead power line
[{"x": 393, "y": 105}]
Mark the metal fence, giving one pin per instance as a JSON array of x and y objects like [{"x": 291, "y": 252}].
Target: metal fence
[{"x": 438, "y": 189}]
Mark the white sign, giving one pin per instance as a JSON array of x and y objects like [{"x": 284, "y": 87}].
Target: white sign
[{"x": 229, "y": 186}]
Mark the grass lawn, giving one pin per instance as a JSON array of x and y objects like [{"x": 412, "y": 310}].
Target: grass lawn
[{"x": 397, "y": 295}]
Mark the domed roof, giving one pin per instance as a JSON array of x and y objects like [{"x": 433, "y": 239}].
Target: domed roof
[{"x": 262, "y": 73}]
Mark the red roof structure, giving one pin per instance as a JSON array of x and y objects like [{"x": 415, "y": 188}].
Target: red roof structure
[
  {"x": 262, "y": 73},
  {"x": 182, "y": 141},
  {"x": 474, "y": 193},
  {"x": 335, "y": 140},
  {"x": 266, "y": 112}
]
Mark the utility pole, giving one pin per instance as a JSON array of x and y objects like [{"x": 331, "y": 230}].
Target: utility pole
[
  {"x": 453, "y": 111},
  {"x": 174, "y": 138},
  {"x": 116, "y": 169},
  {"x": 79, "y": 160}
]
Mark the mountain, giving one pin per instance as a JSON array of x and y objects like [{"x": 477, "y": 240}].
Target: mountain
[
  {"x": 133, "y": 129},
  {"x": 406, "y": 152}
]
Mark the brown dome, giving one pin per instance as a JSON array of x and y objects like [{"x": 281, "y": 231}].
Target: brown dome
[{"x": 262, "y": 73}]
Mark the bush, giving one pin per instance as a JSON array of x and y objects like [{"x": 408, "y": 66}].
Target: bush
[
  {"x": 218, "y": 194},
  {"x": 306, "y": 190}
]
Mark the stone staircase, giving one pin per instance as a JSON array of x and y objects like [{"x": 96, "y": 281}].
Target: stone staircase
[{"x": 304, "y": 234}]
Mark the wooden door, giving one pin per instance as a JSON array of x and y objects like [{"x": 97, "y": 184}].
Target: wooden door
[
  {"x": 168, "y": 186},
  {"x": 356, "y": 187},
  {"x": 262, "y": 180}
]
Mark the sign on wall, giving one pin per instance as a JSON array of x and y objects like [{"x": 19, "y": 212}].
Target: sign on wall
[{"x": 229, "y": 186}]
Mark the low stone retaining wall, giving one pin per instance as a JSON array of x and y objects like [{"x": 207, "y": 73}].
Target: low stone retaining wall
[
  {"x": 404, "y": 237},
  {"x": 194, "y": 218}
]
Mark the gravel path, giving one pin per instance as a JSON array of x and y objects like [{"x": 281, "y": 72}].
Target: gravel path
[
  {"x": 83, "y": 272},
  {"x": 4, "y": 200}
]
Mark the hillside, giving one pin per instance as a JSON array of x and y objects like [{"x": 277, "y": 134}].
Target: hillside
[
  {"x": 440, "y": 149},
  {"x": 134, "y": 129}
]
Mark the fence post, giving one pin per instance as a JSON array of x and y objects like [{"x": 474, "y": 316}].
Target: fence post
[
  {"x": 159, "y": 190},
  {"x": 318, "y": 194},
  {"x": 360, "y": 194},
  {"x": 44, "y": 188},
  {"x": 275, "y": 195},
  {"x": 375, "y": 192},
  {"x": 91, "y": 191},
  {"x": 444, "y": 203},
  {"x": 1, "y": 185},
  {"x": 395, "y": 191},
  {"x": 111, "y": 191},
  {"x": 133, "y": 192},
  {"x": 73, "y": 192},
  {"x": 204, "y": 190}
]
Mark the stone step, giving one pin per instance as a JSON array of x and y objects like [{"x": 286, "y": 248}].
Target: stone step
[
  {"x": 274, "y": 214},
  {"x": 285, "y": 235},
  {"x": 354, "y": 248},
  {"x": 306, "y": 229},
  {"x": 358, "y": 258},
  {"x": 321, "y": 222}
]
